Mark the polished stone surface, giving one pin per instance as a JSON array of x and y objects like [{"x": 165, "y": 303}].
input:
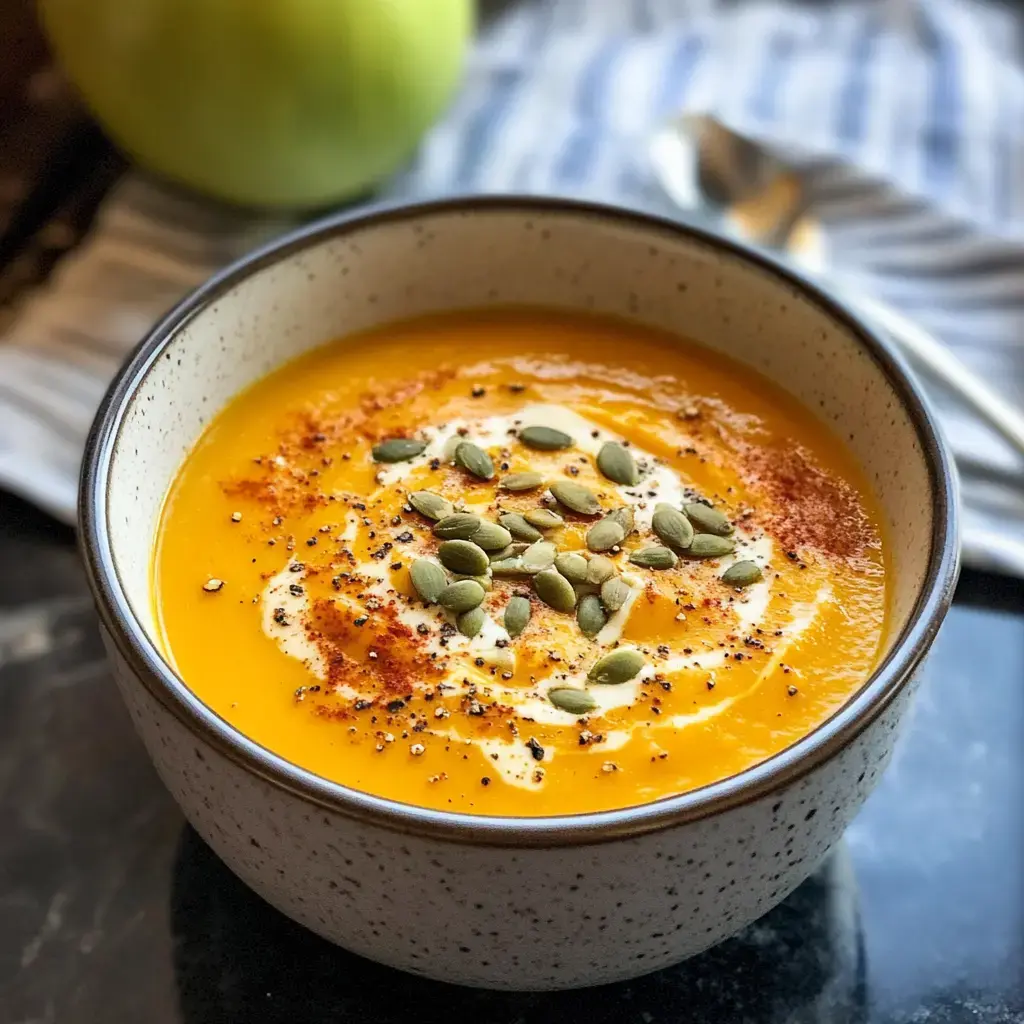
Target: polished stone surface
[{"x": 112, "y": 910}]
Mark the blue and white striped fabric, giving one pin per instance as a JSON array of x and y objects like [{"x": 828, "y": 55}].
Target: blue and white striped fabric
[{"x": 904, "y": 117}]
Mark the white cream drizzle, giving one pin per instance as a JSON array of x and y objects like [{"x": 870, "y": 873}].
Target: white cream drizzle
[
  {"x": 282, "y": 613},
  {"x": 511, "y": 759}
]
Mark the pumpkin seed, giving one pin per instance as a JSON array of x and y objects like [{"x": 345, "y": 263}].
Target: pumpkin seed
[
  {"x": 431, "y": 505},
  {"x": 428, "y": 578},
  {"x": 603, "y": 536},
  {"x": 599, "y": 569},
  {"x": 491, "y": 537},
  {"x": 505, "y": 567},
  {"x": 517, "y": 525},
  {"x": 572, "y": 566},
  {"x": 543, "y": 518},
  {"x": 707, "y": 519},
  {"x": 624, "y": 517},
  {"x": 568, "y": 698},
  {"x": 475, "y": 460},
  {"x": 742, "y": 574},
  {"x": 614, "y": 593},
  {"x": 539, "y": 556},
  {"x": 617, "y": 667},
  {"x": 555, "y": 590},
  {"x": 708, "y": 545},
  {"x": 582, "y": 589},
  {"x": 484, "y": 581},
  {"x": 517, "y": 547},
  {"x": 517, "y": 615},
  {"x": 470, "y": 623},
  {"x": 398, "y": 449},
  {"x": 617, "y": 463},
  {"x": 672, "y": 527},
  {"x": 547, "y": 439},
  {"x": 575, "y": 496},
  {"x": 458, "y": 526},
  {"x": 461, "y": 596},
  {"x": 590, "y": 615},
  {"x": 528, "y": 481},
  {"x": 463, "y": 557},
  {"x": 655, "y": 557}
]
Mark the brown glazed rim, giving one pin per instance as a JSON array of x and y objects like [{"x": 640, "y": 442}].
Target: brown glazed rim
[{"x": 780, "y": 770}]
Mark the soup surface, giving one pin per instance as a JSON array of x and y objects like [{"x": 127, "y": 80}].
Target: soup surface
[{"x": 520, "y": 563}]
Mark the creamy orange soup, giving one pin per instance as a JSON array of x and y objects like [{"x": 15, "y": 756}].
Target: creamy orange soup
[{"x": 520, "y": 563}]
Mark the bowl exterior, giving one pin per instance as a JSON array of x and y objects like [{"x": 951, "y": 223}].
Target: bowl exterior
[
  {"x": 525, "y": 904},
  {"x": 511, "y": 918}
]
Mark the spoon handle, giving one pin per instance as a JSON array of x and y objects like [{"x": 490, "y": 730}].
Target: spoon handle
[{"x": 684, "y": 161}]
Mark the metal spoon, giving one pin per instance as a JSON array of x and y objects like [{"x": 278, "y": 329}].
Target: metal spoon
[{"x": 733, "y": 171}]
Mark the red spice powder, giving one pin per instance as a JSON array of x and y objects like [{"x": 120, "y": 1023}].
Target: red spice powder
[
  {"x": 278, "y": 489},
  {"x": 400, "y": 658},
  {"x": 379, "y": 401},
  {"x": 810, "y": 507}
]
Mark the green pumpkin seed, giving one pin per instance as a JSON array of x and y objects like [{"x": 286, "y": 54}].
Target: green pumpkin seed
[
  {"x": 547, "y": 439},
  {"x": 484, "y": 581},
  {"x": 568, "y": 698},
  {"x": 459, "y": 526},
  {"x": 590, "y": 615},
  {"x": 617, "y": 667},
  {"x": 582, "y": 589},
  {"x": 506, "y": 567},
  {"x": 461, "y": 596},
  {"x": 491, "y": 537},
  {"x": 655, "y": 557},
  {"x": 572, "y": 566},
  {"x": 555, "y": 590},
  {"x": 470, "y": 623},
  {"x": 463, "y": 557},
  {"x": 575, "y": 496},
  {"x": 517, "y": 547},
  {"x": 431, "y": 505},
  {"x": 517, "y": 615},
  {"x": 539, "y": 556},
  {"x": 672, "y": 527},
  {"x": 742, "y": 574},
  {"x": 428, "y": 578},
  {"x": 528, "y": 481},
  {"x": 708, "y": 545},
  {"x": 624, "y": 517},
  {"x": 707, "y": 519},
  {"x": 599, "y": 569},
  {"x": 543, "y": 518},
  {"x": 603, "y": 536},
  {"x": 475, "y": 460},
  {"x": 617, "y": 463},
  {"x": 517, "y": 525},
  {"x": 398, "y": 449},
  {"x": 615, "y": 593}
]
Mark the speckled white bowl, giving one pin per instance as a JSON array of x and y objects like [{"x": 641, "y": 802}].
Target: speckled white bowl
[{"x": 517, "y": 903}]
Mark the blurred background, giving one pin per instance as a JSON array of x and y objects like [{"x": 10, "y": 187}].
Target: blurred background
[{"x": 878, "y": 145}]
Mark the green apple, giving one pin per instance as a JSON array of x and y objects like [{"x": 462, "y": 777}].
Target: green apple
[{"x": 265, "y": 102}]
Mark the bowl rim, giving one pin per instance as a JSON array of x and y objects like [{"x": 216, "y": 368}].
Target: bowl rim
[{"x": 782, "y": 769}]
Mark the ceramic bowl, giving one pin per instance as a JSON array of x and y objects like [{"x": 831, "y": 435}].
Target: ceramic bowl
[{"x": 518, "y": 903}]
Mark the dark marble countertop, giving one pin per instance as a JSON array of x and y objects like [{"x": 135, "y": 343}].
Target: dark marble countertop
[{"x": 112, "y": 910}]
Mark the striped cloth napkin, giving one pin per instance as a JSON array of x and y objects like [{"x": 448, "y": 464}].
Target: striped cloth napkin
[{"x": 904, "y": 118}]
